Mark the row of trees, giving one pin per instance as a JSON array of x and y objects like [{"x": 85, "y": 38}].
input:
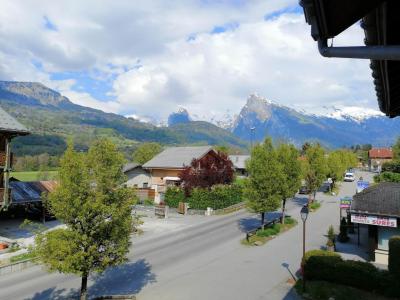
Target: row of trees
[
  {"x": 275, "y": 173},
  {"x": 36, "y": 162}
]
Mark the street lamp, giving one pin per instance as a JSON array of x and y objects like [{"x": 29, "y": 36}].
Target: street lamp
[
  {"x": 251, "y": 137},
  {"x": 304, "y": 215}
]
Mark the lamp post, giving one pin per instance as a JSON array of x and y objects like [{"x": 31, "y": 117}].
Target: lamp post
[
  {"x": 304, "y": 215},
  {"x": 251, "y": 137}
]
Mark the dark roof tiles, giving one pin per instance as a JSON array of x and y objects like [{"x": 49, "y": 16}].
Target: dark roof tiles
[{"x": 381, "y": 199}]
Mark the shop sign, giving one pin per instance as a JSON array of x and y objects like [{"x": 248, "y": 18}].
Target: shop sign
[
  {"x": 374, "y": 220},
  {"x": 345, "y": 202},
  {"x": 362, "y": 185}
]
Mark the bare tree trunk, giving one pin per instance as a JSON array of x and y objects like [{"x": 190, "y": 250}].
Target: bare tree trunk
[
  {"x": 84, "y": 287},
  {"x": 283, "y": 211}
]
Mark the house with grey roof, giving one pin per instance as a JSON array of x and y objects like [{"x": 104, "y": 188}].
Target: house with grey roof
[
  {"x": 378, "y": 208},
  {"x": 239, "y": 163},
  {"x": 9, "y": 128},
  {"x": 165, "y": 167},
  {"x": 136, "y": 176}
]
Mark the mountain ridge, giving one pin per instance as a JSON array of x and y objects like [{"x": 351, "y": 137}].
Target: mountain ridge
[{"x": 47, "y": 112}]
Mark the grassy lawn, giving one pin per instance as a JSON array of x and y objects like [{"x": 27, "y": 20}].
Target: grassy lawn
[
  {"x": 263, "y": 236},
  {"x": 314, "y": 205},
  {"x": 323, "y": 290},
  {"x": 22, "y": 257},
  {"x": 35, "y": 175}
]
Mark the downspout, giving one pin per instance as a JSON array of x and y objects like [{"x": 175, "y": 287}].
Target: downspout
[{"x": 361, "y": 52}]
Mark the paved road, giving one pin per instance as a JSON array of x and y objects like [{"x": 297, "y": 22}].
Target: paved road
[{"x": 200, "y": 262}]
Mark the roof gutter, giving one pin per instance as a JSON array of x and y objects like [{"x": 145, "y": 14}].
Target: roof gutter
[{"x": 361, "y": 52}]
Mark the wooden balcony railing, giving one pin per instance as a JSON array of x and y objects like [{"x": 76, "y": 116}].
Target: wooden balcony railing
[{"x": 3, "y": 159}]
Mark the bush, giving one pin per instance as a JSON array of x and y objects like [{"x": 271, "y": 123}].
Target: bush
[
  {"x": 391, "y": 166},
  {"x": 329, "y": 266},
  {"x": 394, "y": 255},
  {"x": 331, "y": 237},
  {"x": 173, "y": 196},
  {"x": 315, "y": 205},
  {"x": 148, "y": 202},
  {"x": 289, "y": 220},
  {"x": 387, "y": 177},
  {"x": 274, "y": 230},
  {"x": 220, "y": 196},
  {"x": 319, "y": 253}
]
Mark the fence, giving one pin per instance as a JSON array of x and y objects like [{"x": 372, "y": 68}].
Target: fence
[
  {"x": 144, "y": 194},
  {"x": 18, "y": 266}
]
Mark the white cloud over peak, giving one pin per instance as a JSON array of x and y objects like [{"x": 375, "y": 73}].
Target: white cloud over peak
[{"x": 158, "y": 55}]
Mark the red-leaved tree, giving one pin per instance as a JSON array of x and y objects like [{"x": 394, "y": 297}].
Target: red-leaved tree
[{"x": 214, "y": 168}]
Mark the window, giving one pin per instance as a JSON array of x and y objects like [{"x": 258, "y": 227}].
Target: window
[
  {"x": 384, "y": 235},
  {"x": 145, "y": 185}
]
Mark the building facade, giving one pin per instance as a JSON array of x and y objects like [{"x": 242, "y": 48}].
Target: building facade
[
  {"x": 377, "y": 157},
  {"x": 378, "y": 208},
  {"x": 9, "y": 128}
]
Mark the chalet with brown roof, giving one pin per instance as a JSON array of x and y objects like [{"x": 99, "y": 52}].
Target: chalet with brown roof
[
  {"x": 165, "y": 167},
  {"x": 378, "y": 156}
]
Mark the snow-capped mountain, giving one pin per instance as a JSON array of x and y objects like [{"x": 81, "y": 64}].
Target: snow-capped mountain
[
  {"x": 331, "y": 126},
  {"x": 354, "y": 113}
]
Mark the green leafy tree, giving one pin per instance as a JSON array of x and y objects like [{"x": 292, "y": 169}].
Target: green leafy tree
[
  {"x": 314, "y": 168},
  {"x": 146, "y": 151},
  {"x": 95, "y": 206},
  {"x": 263, "y": 190},
  {"x": 288, "y": 156},
  {"x": 396, "y": 149},
  {"x": 338, "y": 162}
]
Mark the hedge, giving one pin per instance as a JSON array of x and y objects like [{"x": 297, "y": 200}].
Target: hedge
[
  {"x": 220, "y": 196},
  {"x": 319, "y": 253},
  {"x": 173, "y": 196},
  {"x": 358, "y": 274},
  {"x": 394, "y": 255}
]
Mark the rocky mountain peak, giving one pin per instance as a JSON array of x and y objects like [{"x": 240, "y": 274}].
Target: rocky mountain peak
[
  {"x": 33, "y": 92},
  {"x": 257, "y": 105},
  {"x": 181, "y": 116}
]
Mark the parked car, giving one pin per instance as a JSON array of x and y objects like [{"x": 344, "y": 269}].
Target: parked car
[
  {"x": 349, "y": 177},
  {"x": 304, "y": 190}
]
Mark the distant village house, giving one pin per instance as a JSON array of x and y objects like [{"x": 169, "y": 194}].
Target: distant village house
[
  {"x": 239, "y": 163},
  {"x": 378, "y": 156}
]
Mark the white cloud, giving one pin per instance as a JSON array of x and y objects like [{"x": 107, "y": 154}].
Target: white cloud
[{"x": 208, "y": 74}]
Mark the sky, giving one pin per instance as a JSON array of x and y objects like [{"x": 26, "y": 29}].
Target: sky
[{"x": 146, "y": 58}]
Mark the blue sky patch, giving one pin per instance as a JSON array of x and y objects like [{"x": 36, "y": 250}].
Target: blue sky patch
[
  {"x": 227, "y": 27},
  {"x": 297, "y": 9},
  {"x": 49, "y": 25},
  {"x": 89, "y": 83}
]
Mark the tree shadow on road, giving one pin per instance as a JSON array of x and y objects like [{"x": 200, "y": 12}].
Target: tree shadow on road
[
  {"x": 129, "y": 278},
  {"x": 254, "y": 222},
  {"x": 300, "y": 201},
  {"x": 126, "y": 279}
]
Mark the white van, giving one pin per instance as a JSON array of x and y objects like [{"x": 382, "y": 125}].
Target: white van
[{"x": 349, "y": 177}]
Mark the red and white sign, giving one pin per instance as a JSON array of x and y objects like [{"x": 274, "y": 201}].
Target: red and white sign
[{"x": 374, "y": 220}]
